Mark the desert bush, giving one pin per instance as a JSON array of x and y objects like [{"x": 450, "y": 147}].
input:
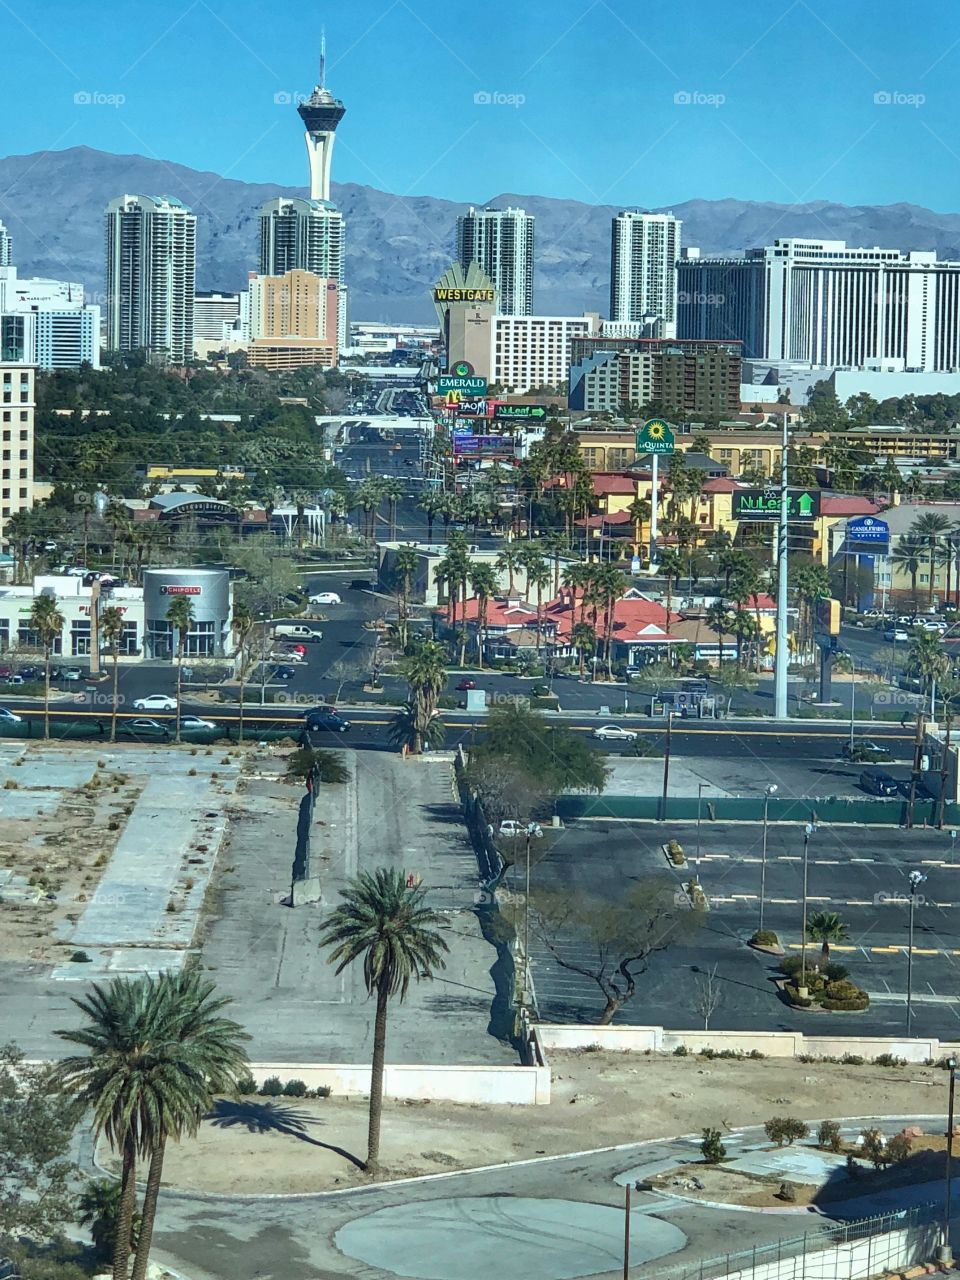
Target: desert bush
[
  {"x": 792, "y": 994},
  {"x": 889, "y": 1060},
  {"x": 852, "y": 1060},
  {"x": 80, "y": 957},
  {"x": 681, "y": 1051},
  {"x": 784, "y": 1130},
  {"x": 712, "y": 1149},
  {"x": 873, "y": 1148},
  {"x": 321, "y": 1091},
  {"x": 272, "y": 1087},
  {"x": 828, "y": 1135},
  {"x": 834, "y": 972},
  {"x": 898, "y": 1148},
  {"x": 765, "y": 938},
  {"x": 246, "y": 1085},
  {"x": 295, "y": 1089}
]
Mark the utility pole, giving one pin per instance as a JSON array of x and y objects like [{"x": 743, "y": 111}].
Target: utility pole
[
  {"x": 915, "y": 772},
  {"x": 808, "y": 831},
  {"x": 666, "y": 765},
  {"x": 916, "y": 880},
  {"x": 946, "y": 1253},
  {"x": 782, "y": 658}
]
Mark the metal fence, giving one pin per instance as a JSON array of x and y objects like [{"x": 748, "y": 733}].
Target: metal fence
[
  {"x": 842, "y": 1251},
  {"x": 825, "y": 809}
]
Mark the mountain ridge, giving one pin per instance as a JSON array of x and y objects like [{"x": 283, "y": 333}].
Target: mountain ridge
[{"x": 397, "y": 246}]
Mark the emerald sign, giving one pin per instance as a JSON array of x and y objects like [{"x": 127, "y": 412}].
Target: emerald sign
[
  {"x": 764, "y": 504},
  {"x": 655, "y": 436},
  {"x": 521, "y": 412},
  {"x": 468, "y": 386}
]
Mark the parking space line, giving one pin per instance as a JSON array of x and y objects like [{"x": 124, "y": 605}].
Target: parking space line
[
  {"x": 866, "y": 954},
  {"x": 863, "y": 859}
]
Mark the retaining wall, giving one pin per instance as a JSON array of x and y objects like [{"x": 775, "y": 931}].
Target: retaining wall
[{"x": 520, "y": 1086}]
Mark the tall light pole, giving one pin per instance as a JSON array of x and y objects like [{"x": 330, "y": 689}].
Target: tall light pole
[
  {"x": 853, "y": 697},
  {"x": 946, "y": 1253},
  {"x": 700, "y": 786},
  {"x": 770, "y": 791},
  {"x": 808, "y": 831},
  {"x": 782, "y": 658},
  {"x": 916, "y": 879},
  {"x": 533, "y": 829}
]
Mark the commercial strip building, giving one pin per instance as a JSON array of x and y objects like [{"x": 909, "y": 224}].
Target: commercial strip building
[
  {"x": 500, "y": 241},
  {"x": 151, "y": 244},
  {"x": 693, "y": 378},
  {"x": 644, "y": 248},
  {"x": 147, "y": 631},
  {"x": 824, "y": 304}
]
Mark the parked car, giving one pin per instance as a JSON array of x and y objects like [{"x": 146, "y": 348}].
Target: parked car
[
  {"x": 195, "y": 722},
  {"x": 155, "y": 702},
  {"x": 6, "y": 673},
  {"x": 15, "y": 679},
  {"x": 31, "y": 673},
  {"x": 512, "y": 828},
  {"x": 286, "y": 657},
  {"x": 298, "y": 631},
  {"x": 283, "y": 672},
  {"x": 465, "y": 684},
  {"x": 863, "y": 751},
  {"x": 70, "y": 673},
  {"x": 325, "y": 597},
  {"x": 895, "y": 634},
  {"x": 8, "y": 717},
  {"x": 614, "y": 733},
  {"x": 326, "y": 718},
  {"x": 143, "y": 728},
  {"x": 361, "y": 584},
  {"x": 879, "y": 783}
]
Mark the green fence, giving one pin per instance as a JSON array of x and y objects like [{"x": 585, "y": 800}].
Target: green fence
[{"x": 828, "y": 809}]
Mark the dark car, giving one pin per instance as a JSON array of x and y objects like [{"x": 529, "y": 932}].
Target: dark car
[
  {"x": 326, "y": 718},
  {"x": 879, "y": 783},
  {"x": 30, "y": 673},
  {"x": 283, "y": 672},
  {"x": 361, "y": 584},
  {"x": 144, "y": 729}
]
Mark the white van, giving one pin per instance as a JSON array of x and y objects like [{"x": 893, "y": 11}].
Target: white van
[{"x": 296, "y": 631}]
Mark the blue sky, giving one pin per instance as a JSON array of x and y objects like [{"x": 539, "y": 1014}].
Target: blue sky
[{"x": 783, "y": 94}]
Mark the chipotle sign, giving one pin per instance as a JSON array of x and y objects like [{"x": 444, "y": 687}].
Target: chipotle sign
[{"x": 169, "y": 589}]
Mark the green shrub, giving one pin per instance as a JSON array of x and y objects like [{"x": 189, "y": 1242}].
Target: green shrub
[
  {"x": 898, "y": 1148},
  {"x": 681, "y": 1051},
  {"x": 765, "y": 938},
  {"x": 873, "y": 1147},
  {"x": 321, "y": 1091},
  {"x": 295, "y": 1089},
  {"x": 834, "y": 972},
  {"x": 790, "y": 965},
  {"x": 889, "y": 1060},
  {"x": 80, "y": 957},
  {"x": 828, "y": 1135},
  {"x": 272, "y": 1087},
  {"x": 712, "y": 1149},
  {"x": 784, "y": 1130},
  {"x": 857, "y": 1005},
  {"x": 842, "y": 990},
  {"x": 246, "y": 1085},
  {"x": 793, "y": 996}
]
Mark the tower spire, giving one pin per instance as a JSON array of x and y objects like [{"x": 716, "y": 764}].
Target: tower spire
[{"x": 323, "y": 57}]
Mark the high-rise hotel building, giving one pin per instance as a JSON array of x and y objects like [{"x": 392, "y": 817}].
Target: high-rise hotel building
[
  {"x": 501, "y": 242},
  {"x": 644, "y": 248},
  {"x": 820, "y": 302},
  {"x": 151, "y": 245}
]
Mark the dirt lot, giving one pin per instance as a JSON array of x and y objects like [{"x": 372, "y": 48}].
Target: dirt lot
[{"x": 262, "y": 1145}]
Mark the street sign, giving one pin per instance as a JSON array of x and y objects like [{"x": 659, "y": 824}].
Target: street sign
[
  {"x": 469, "y": 386},
  {"x": 764, "y": 504},
  {"x": 655, "y": 436},
  {"x": 867, "y": 531},
  {"x": 523, "y": 412}
]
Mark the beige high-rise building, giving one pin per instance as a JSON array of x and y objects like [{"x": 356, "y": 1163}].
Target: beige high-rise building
[
  {"x": 293, "y": 320},
  {"x": 17, "y": 408}
]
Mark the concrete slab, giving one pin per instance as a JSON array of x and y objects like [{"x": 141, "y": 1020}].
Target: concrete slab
[
  {"x": 792, "y": 1164},
  {"x": 511, "y": 1238},
  {"x": 28, "y": 804},
  {"x": 109, "y": 963}
]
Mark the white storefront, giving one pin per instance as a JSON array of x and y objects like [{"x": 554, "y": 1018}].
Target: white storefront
[{"x": 75, "y": 602}]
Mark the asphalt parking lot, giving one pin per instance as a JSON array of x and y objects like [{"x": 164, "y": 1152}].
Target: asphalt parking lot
[{"x": 859, "y": 872}]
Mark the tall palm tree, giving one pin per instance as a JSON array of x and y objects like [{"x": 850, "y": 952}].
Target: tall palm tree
[
  {"x": 206, "y": 1058},
  {"x": 584, "y": 640},
  {"x": 388, "y": 926},
  {"x": 180, "y": 616},
  {"x": 539, "y": 576},
  {"x": 825, "y": 927},
  {"x": 111, "y": 628},
  {"x": 48, "y": 622},
  {"x": 532, "y": 561},
  {"x": 718, "y": 621},
  {"x": 611, "y": 585},
  {"x": 554, "y": 545},
  {"x": 244, "y": 625},
  {"x": 508, "y": 562},
  {"x": 670, "y": 564},
  {"x": 426, "y": 673},
  {"x": 639, "y": 510},
  {"x": 405, "y": 564},
  {"x": 393, "y": 490},
  {"x": 483, "y": 584},
  {"x": 930, "y": 528},
  {"x": 907, "y": 557}
]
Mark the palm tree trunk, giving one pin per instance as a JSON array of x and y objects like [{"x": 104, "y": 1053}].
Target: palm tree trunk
[
  {"x": 179, "y": 684},
  {"x": 376, "y": 1079},
  {"x": 241, "y": 683},
  {"x": 46, "y": 693},
  {"x": 128, "y": 1195},
  {"x": 149, "y": 1211},
  {"x": 116, "y": 679}
]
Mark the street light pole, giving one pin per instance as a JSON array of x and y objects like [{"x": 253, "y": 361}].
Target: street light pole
[
  {"x": 666, "y": 765},
  {"x": 946, "y": 1253},
  {"x": 916, "y": 879},
  {"x": 808, "y": 831},
  {"x": 700, "y": 787},
  {"x": 771, "y": 790},
  {"x": 782, "y": 656},
  {"x": 853, "y": 698}
]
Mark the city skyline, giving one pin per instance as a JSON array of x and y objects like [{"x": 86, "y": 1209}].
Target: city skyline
[{"x": 709, "y": 111}]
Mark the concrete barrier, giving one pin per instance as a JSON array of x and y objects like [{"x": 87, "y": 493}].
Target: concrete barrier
[{"x": 517, "y": 1086}]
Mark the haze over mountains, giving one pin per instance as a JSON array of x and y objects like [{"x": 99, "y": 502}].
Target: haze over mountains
[{"x": 396, "y": 246}]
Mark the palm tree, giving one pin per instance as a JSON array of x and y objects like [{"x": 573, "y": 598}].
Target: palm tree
[
  {"x": 718, "y": 621},
  {"x": 670, "y": 565},
  {"x": 531, "y": 558},
  {"x": 402, "y": 730},
  {"x": 426, "y": 674},
  {"x": 611, "y": 585},
  {"x": 48, "y": 622},
  {"x": 430, "y": 504},
  {"x": 539, "y": 576},
  {"x": 405, "y": 564},
  {"x": 386, "y": 924},
  {"x": 206, "y": 1058},
  {"x": 393, "y": 490},
  {"x": 825, "y": 927},
  {"x": 926, "y": 658},
  {"x": 639, "y": 510},
  {"x": 930, "y": 528},
  {"x": 508, "y": 562},
  {"x": 99, "y": 1209},
  {"x": 907, "y": 555},
  {"x": 483, "y": 584},
  {"x": 111, "y": 628},
  {"x": 554, "y": 545},
  {"x": 180, "y": 616},
  {"x": 584, "y": 640},
  {"x": 244, "y": 625}
]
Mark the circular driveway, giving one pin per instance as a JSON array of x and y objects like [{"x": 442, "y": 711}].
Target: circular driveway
[{"x": 512, "y": 1238}]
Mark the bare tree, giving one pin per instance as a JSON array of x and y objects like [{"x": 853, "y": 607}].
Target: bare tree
[
  {"x": 611, "y": 942},
  {"x": 707, "y": 995},
  {"x": 506, "y": 791}
]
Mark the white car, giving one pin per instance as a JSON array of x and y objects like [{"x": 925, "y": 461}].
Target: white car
[
  {"x": 511, "y": 827},
  {"x": 194, "y": 722},
  {"x": 155, "y": 702},
  {"x": 614, "y": 733},
  {"x": 325, "y": 597},
  {"x": 7, "y": 717}
]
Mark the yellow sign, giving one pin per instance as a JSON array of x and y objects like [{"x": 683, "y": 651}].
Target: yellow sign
[{"x": 463, "y": 295}]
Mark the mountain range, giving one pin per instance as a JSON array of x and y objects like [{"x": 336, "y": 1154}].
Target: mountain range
[{"x": 52, "y": 203}]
